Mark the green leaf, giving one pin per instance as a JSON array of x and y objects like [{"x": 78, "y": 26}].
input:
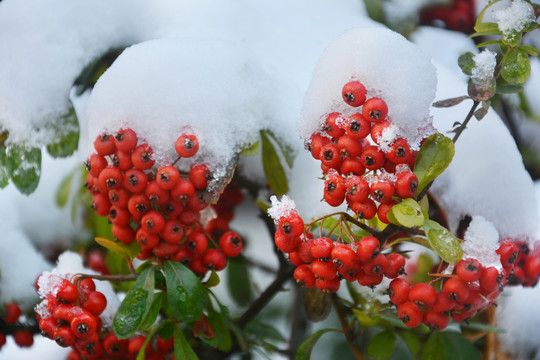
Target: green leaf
[
  {"x": 273, "y": 170},
  {"x": 135, "y": 305},
  {"x": 466, "y": 63},
  {"x": 509, "y": 89},
  {"x": 222, "y": 334},
  {"x": 264, "y": 331},
  {"x": 374, "y": 9},
  {"x": 4, "y": 172},
  {"x": 512, "y": 39},
  {"x": 424, "y": 205},
  {"x": 486, "y": 27},
  {"x": 531, "y": 50},
  {"x": 434, "y": 348},
  {"x": 487, "y": 43},
  {"x": 63, "y": 191},
  {"x": 186, "y": 294},
  {"x": 450, "y": 102},
  {"x": 213, "y": 280},
  {"x": 182, "y": 349},
  {"x": 476, "y": 326},
  {"x": 407, "y": 213},
  {"x": 366, "y": 320},
  {"x": 412, "y": 341},
  {"x": 286, "y": 150},
  {"x": 433, "y": 158},
  {"x": 238, "y": 281},
  {"x": 117, "y": 246},
  {"x": 66, "y": 135},
  {"x": 93, "y": 71},
  {"x": 516, "y": 66},
  {"x": 24, "y": 165},
  {"x": 304, "y": 350},
  {"x": 151, "y": 316},
  {"x": 251, "y": 149},
  {"x": 443, "y": 242},
  {"x": 480, "y": 17},
  {"x": 457, "y": 347},
  {"x": 382, "y": 345}
]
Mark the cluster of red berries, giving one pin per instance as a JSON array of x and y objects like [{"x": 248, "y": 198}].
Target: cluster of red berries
[
  {"x": 346, "y": 155},
  {"x": 459, "y": 15},
  {"x": 10, "y": 317},
  {"x": 160, "y": 207},
  {"x": 69, "y": 314}
]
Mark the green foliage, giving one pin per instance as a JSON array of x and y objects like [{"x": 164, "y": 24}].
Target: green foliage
[
  {"x": 304, "y": 351},
  {"x": 24, "y": 166},
  {"x": 443, "y": 242},
  {"x": 4, "y": 172},
  {"x": 238, "y": 281},
  {"x": 182, "y": 349},
  {"x": 516, "y": 66},
  {"x": 382, "y": 345},
  {"x": 448, "y": 345},
  {"x": 273, "y": 169},
  {"x": 433, "y": 158},
  {"x": 128, "y": 251},
  {"x": 407, "y": 213},
  {"x": 66, "y": 135},
  {"x": 93, "y": 71},
  {"x": 466, "y": 63}
]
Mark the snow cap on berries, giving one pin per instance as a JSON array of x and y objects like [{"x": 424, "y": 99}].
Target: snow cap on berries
[
  {"x": 481, "y": 242},
  {"x": 281, "y": 208}
]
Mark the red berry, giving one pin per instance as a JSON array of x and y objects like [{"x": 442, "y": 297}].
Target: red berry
[
  {"x": 214, "y": 259},
  {"x": 23, "y": 338},
  {"x": 324, "y": 269},
  {"x": 95, "y": 303},
  {"x": 67, "y": 292},
  {"x": 138, "y": 205},
  {"x": 11, "y": 313},
  {"x": 304, "y": 276},
  {"x": 83, "y": 325},
  {"x": 406, "y": 184},
  {"x": 136, "y": 343},
  {"x": 490, "y": 280},
  {"x": 456, "y": 289},
  {"x": 349, "y": 146},
  {"x": 372, "y": 158},
  {"x": 155, "y": 193},
  {"x": 231, "y": 244},
  {"x": 398, "y": 291},
  {"x": 125, "y": 140},
  {"x": 396, "y": 265},
  {"x": 328, "y": 285},
  {"x": 364, "y": 209},
  {"x": 508, "y": 252},
  {"x": 410, "y": 314},
  {"x": 532, "y": 268},
  {"x": 357, "y": 126},
  {"x": 164, "y": 346},
  {"x": 315, "y": 143},
  {"x": 199, "y": 175},
  {"x": 95, "y": 164},
  {"x": 357, "y": 189},
  {"x": 423, "y": 295},
  {"x": 113, "y": 346},
  {"x": 183, "y": 190},
  {"x": 382, "y": 191},
  {"x": 376, "y": 265},
  {"x": 64, "y": 336},
  {"x": 330, "y": 156},
  {"x": 165, "y": 250},
  {"x": 189, "y": 217},
  {"x": 383, "y": 210},
  {"x": 354, "y": 93},
  {"x": 291, "y": 225},
  {"x": 135, "y": 181},
  {"x": 321, "y": 248},
  {"x": 173, "y": 231},
  {"x": 167, "y": 177},
  {"x": 109, "y": 178},
  {"x": 153, "y": 222},
  {"x": 141, "y": 157},
  {"x": 344, "y": 257},
  {"x": 369, "y": 280},
  {"x": 443, "y": 303},
  {"x": 47, "y": 327},
  {"x": 186, "y": 145},
  {"x": 377, "y": 130},
  {"x": 197, "y": 202},
  {"x": 119, "y": 197},
  {"x": 375, "y": 110},
  {"x": 352, "y": 166},
  {"x": 122, "y": 160},
  {"x": 104, "y": 144},
  {"x": 285, "y": 243},
  {"x": 331, "y": 125},
  {"x": 435, "y": 320},
  {"x": 197, "y": 242},
  {"x": 124, "y": 234},
  {"x": 368, "y": 248},
  {"x": 304, "y": 251},
  {"x": 171, "y": 208},
  {"x": 469, "y": 270},
  {"x": 119, "y": 216},
  {"x": 334, "y": 190},
  {"x": 399, "y": 152}
]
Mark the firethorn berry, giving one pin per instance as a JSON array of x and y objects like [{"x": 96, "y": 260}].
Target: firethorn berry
[
  {"x": 124, "y": 234},
  {"x": 516, "y": 276},
  {"x": 121, "y": 160},
  {"x": 357, "y": 189},
  {"x": 197, "y": 242},
  {"x": 377, "y": 130},
  {"x": 357, "y": 126},
  {"x": 125, "y": 140},
  {"x": 95, "y": 164},
  {"x": 328, "y": 285},
  {"x": 354, "y": 93},
  {"x": 490, "y": 280},
  {"x": 349, "y": 146},
  {"x": 286, "y": 244},
  {"x": 376, "y": 265},
  {"x": 95, "y": 303},
  {"x": 164, "y": 346},
  {"x": 375, "y": 110},
  {"x": 410, "y": 314},
  {"x": 135, "y": 180},
  {"x": 67, "y": 292},
  {"x": 315, "y": 143},
  {"x": 456, "y": 289},
  {"x": 331, "y": 125},
  {"x": 364, "y": 209},
  {"x": 372, "y": 158},
  {"x": 435, "y": 320},
  {"x": 173, "y": 231},
  {"x": 119, "y": 216},
  {"x": 138, "y": 205},
  {"x": 508, "y": 252},
  {"x": 304, "y": 250},
  {"x": 330, "y": 156},
  {"x": 291, "y": 225},
  {"x": 110, "y": 178},
  {"x": 165, "y": 250},
  {"x": 167, "y": 177},
  {"x": 382, "y": 191},
  {"x": 344, "y": 257},
  {"x": 136, "y": 343},
  {"x": 324, "y": 269},
  {"x": 104, "y": 145},
  {"x": 350, "y": 274},
  {"x": 383, "y": 210},
  {"x": 469, "y": 270},
  {"x": 231, "y": 244},
  {"x": 171, "y": 208},
  {"x": 74, "y": 355},
  {"x": 119, "y": 196},
  {"x": 406, "y": 184},
  {"x": 321, "y": 248},
  {"x": 183, "y": 190},
  {"x": 113, "y": 346},
  {"x": 396, "y": 265},
  {"x": 155, "y": 193},
  {"x": 334, "y": 190},
  {"x": 86, "y": 286},
  {"x": 295, "y": 259},
  {"x": 186, "y": 145},
  {"x": 11, "y": 313},
  {"x": 153, "y": 222},
  {"x": 304, "y": 276},
  {"x": 369, "y": 280},
  {"x": 368, "y": 248},
  {"x": 84, "y": 324},
  {"x": 399, "y": 151},
  {"x": 141, "y": 157},
  {"x": 214, "y": 259},
  {"x": 423, "y": 295},
  {"x": 189, "y": 216},
  {"x": 352, "y": 166},
  {"x": 64, "y": 336},
  {"x": 146, "y": 239},
  {"x": 197, "y": 201},
  {"x": 443, "y": 303},
  {"x": 23, "y": 338},
  {"x": 398, "y": 291},
  {"x": 199, "y": 175},
  {"x": 532, "y": 268},
  {"x": 47, "y": 327}
]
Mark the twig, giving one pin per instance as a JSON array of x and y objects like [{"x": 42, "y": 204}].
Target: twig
[
  {"x": 346, "y": 329},
  {"x": 116, "y": 278}
]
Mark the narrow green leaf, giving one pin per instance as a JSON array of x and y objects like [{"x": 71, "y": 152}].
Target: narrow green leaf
[
  {"x": 286, "y": 150},
  {"x": 480, "y": 17},
  {"x": 424, "y": 204},
  {"x": 63, "y": 191},
  {"x": 186, "y": 294},
  {"x": 487, "y": 43},
  {"x": 24, "y": 164},
  {"x": 264, "y": 331},
  {"x": 482, "y": 327},
  {"x": 66, "y": 135},
  {"x": 142, "y": 352},
  {"x": 466, "y": 63},
  {"x": 238, "y": 281},
  {"x": 434, "y": 348},
  {"x": 382, "y": 345},
  {"x": 433, "y": 158},
  {"x": 412, "y": 341},
  {"x": 486, "y": 27},
  {"x": 222, "y": 334},
  {"x": 135, "y": 305},
  {"x": 407, "y": 213},
  {"x": 443, "y": 242},
  {"x": 531, "y": 50},
  {"x": 252, "y": 149},
  {"x": 509, "y": 89},
  {"x": 93, "y": 71},
  {"x": 304, "y": 351},
  {"x": 366, "y": 320},
  {"x": 516, "y": 66},
  {"x": 4, "y": 172},
  {"x": 182, "y": 349},
  {"x": 151, "y": 315},
  {"x": 115, "y": 246},
  {"x": 273, "y": 169}
]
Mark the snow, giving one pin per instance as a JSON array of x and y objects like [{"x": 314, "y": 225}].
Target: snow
[
  {"x": 484, "y": 69},
  {"x": 281, "y": 208},
  {"x": 408, "y": 89},
  {"x": 481, "y": 242},
  {"x": 514, "y": 18}
]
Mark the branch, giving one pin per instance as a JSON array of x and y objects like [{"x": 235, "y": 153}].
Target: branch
[{"x": 346, "y": 329}]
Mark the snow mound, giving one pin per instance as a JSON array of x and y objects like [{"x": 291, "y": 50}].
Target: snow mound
[{"x": 481, "y": 242}]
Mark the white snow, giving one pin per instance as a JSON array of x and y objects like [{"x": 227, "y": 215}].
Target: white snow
[
  {"x": 481, "y": 242},
  {"x": 484, "y": 69},
  {"x": 281, "y": 208},
  {"x": 407, "y": 87},
  {"x": 514, "y": 18}
]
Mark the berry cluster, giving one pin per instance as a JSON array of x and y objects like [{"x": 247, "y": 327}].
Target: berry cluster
[
  {"x": 459, "y": 15},
  {"x": 358, "y": 171},
  {"x": 10, "y": 319},
  {"x": 69, "y": 314},
  {"x": 160, "y": 207}
]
